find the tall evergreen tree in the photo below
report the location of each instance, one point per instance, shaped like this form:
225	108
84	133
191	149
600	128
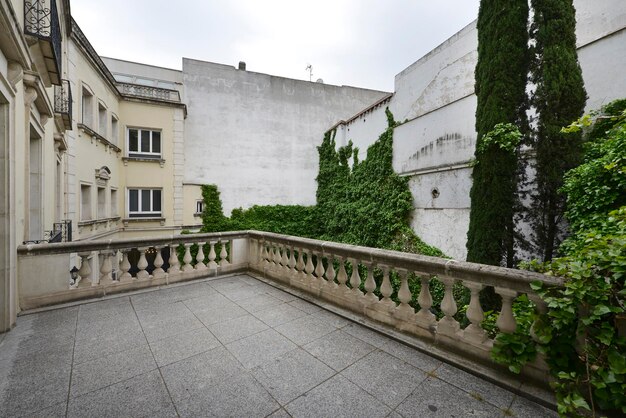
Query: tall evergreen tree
501	79
559	99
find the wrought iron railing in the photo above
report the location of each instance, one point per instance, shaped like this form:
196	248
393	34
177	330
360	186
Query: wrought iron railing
61	231
149	92
41	19
63	102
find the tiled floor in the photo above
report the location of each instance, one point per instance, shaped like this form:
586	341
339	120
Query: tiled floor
227	347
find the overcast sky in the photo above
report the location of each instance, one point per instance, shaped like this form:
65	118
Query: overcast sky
362	43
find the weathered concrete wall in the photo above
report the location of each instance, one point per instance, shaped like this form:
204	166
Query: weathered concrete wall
436	95
255	135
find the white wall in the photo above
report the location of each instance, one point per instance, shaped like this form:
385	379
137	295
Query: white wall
256	135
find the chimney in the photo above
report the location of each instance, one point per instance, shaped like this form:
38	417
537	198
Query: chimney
242	65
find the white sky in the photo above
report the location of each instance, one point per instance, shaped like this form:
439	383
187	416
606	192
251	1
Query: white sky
362	43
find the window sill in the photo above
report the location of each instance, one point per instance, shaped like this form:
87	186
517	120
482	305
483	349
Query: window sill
197	215
97	222
143	160
139	220
96	136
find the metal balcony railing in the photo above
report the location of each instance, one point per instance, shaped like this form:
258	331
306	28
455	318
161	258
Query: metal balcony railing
41	20
63	102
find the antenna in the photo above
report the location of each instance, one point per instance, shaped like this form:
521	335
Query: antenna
309	68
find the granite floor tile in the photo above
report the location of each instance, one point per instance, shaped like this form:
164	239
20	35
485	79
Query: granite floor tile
304	330
281	413
292	374
410	355
55	411
22	396
259	302
524	408
142	396
475	386
237	294
222	314
260	348
277	315
208	303
365	334
184	345
111	369
237	396
331	318
236	329
305	306
337	397
436	398
107	342
166	321
279	294
195	374
389	379
338	349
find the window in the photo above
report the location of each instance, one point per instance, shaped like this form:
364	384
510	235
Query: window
113	203
144	203
101	203
85	202
87	107
144	143
199	206
114	129
102	120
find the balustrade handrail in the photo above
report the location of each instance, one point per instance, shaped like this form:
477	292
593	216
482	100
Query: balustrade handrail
518	280
120	244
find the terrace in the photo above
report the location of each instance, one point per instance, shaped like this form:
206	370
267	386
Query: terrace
270	325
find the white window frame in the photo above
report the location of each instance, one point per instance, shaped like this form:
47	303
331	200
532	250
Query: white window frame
199	205
141	214
140	153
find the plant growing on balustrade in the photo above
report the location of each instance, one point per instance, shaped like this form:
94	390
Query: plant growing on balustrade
580	333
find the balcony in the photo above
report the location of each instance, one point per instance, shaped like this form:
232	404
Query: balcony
41	23
272	324
148	92
63	103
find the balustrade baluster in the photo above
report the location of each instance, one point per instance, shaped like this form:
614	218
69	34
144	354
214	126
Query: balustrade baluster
404	310
224	254
386	290
355	279
212	264
174	267
300	265
330	275
84	272
106	268
506	321
424	316
125	268
342	276
142	264
448	325
475	314
158	272
541	307
292	263
309	268
370	283
277	258
187	258
285	262
200	257
319	270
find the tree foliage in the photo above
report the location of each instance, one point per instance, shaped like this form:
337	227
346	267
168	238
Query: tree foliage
559	98
501	78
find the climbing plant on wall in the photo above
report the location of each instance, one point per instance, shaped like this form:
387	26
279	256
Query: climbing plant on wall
501	78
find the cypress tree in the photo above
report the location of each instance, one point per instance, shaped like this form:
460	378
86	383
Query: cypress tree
501	78
559	99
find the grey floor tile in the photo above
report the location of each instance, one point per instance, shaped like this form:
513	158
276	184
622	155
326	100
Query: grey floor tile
304	330
276	315
222	314
337	397
181	346
208	303
282	295
111	369
236	329
55	411
238	396
365	334
475	386
22	395
240	293
97	329
142	396
166	321
109	341
524	408
436	398
281	413
331	318
292	374
338	349
305	306
194	375
389	379
106	310
260	348
259	302
410	355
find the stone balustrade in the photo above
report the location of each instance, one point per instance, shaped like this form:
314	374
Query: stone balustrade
112	266
377	284
389	287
